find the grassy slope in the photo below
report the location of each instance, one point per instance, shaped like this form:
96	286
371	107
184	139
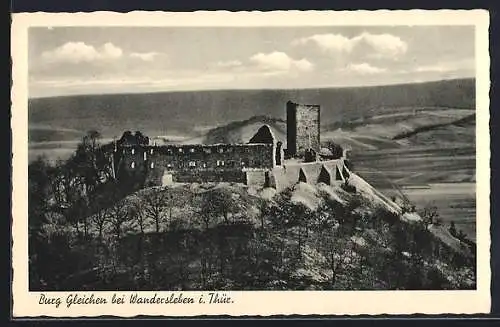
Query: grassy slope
173	259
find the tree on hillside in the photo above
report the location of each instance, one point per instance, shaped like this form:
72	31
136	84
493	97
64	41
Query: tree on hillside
453	229
330	213
119	214
86	157
91	163
70	193
39	192
218	203
350	218
300	219
61	186
265	212
154	207
100	215
79	212
137	214
204	218
338	253
336	149
38	207
430	215
98	205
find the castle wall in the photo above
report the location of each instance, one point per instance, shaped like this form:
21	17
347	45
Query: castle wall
157	177
220	156
303	128
256	178
198	163
288	175
203	176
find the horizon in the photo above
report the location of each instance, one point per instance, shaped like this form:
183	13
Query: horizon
121	60
253	89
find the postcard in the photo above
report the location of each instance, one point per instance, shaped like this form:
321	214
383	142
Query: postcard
250	163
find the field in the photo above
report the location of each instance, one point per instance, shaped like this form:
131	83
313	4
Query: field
429	178
427	155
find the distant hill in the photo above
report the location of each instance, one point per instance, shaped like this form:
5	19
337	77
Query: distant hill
398	128
242	131
460	130
183	113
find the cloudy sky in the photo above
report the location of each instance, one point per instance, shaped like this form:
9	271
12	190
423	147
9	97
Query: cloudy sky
88	60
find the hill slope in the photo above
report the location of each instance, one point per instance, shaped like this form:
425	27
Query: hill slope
180	112
223	236
241	131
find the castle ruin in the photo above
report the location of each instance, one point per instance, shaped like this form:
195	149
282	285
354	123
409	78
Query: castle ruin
261	162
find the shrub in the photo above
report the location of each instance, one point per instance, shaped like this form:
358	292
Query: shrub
349	188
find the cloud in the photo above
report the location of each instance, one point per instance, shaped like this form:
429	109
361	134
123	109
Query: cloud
280	61
144	56
445	67
327	42
383	44
77	52
228	64
386	45
364	69
191	79
434	68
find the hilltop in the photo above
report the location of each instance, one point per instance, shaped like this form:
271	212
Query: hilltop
239	132
227	236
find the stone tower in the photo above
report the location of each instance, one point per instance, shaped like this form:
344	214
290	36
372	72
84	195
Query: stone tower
302	128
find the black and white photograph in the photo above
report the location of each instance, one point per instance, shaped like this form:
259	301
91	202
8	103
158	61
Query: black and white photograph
251	158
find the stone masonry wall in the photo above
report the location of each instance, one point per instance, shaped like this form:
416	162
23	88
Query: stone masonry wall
197	163
256	178
303	128
308	133
288	174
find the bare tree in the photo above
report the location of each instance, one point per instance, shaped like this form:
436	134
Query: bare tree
101	206
198	201
154	206
119	214
136	212
99	218
339	254
265	212
218	202
430	215
140	218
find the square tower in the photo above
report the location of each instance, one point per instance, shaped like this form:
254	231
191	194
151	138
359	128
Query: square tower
302	128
